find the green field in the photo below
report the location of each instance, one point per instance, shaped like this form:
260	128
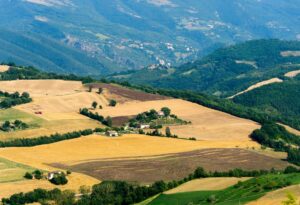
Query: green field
11	171
239	194
12	114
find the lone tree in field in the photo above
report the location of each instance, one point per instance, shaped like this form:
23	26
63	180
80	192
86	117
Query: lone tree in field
166	111
168	132
112	103
108	121
100	90
94	104
90	88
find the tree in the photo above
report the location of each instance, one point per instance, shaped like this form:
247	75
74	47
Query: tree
112	103
28	176
94	104
25	95
168	132
108	121
100	90
166	111
90	88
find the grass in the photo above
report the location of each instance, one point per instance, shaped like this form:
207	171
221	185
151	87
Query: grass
246	191
14	114
11	171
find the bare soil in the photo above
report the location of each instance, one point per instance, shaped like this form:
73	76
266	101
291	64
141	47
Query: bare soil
173	166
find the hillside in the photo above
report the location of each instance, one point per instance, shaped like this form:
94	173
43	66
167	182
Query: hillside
98	37
279	99
226	71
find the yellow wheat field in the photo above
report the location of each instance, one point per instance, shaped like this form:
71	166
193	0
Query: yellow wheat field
75	181
207	184
3	68
100	147
207	124
278	196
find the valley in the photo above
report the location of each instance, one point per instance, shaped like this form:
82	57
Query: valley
217	136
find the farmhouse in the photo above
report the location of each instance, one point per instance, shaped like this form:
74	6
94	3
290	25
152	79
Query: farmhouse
51	175
112	133
144	126
161	114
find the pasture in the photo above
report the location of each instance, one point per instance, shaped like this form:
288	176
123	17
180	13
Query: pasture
207	184
11	171
246	192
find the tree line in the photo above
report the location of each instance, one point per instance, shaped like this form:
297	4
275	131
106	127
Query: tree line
123	193
278	138
95	116
10	100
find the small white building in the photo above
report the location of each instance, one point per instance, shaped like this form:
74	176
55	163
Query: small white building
51	175
144	126
161	114
112	133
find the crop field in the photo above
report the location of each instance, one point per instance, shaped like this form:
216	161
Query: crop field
207	124
3	68
244	194
124	94
40	127
207	184
11	171
276	197
173	166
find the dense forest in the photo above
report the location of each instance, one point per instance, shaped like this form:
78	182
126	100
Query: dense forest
224	72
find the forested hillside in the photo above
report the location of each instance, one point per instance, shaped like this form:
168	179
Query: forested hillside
130	34
226	71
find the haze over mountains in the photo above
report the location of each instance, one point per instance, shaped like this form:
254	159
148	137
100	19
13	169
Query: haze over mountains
101	37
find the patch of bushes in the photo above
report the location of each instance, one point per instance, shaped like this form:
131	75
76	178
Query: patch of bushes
59	179
13	99
95	116
8	126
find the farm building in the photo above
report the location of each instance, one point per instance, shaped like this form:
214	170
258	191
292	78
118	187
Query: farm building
161	114
51	175
144	126
112	133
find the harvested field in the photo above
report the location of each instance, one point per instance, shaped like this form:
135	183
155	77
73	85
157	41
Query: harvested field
290	53
42	87
52	105
276	197
75	181
96	147
292	74
207	124
4	68
290	129
257	85
207	184
124	94
121	120
172	166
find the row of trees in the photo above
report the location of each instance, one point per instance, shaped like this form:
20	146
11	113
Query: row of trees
14	99
123	193
277	137
95	116
29	142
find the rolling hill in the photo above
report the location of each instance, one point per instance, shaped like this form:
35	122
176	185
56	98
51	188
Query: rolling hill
225	71
93	37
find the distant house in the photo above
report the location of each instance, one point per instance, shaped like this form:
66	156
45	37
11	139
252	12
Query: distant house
51	175
144	126
161	114
112	133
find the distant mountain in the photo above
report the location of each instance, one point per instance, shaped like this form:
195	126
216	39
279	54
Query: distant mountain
226	71
93	36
